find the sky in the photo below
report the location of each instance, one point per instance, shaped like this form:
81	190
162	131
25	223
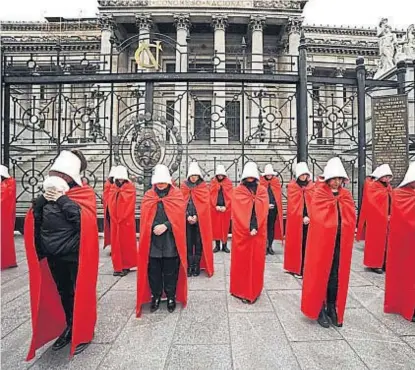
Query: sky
401	13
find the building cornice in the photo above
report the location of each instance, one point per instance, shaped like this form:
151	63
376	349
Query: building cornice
347	31
345	47
50	47
82	25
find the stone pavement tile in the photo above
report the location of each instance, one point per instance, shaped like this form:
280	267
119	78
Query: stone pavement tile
263	304
277	279
105	283
352	302
375	344
89	359
376	279
14	288
15	346
358	280
202	282
199	357
258	342
114	310
410	340
143	344
128	282
373	299
14	314
327	355
106	268
205	320
13	273
295	324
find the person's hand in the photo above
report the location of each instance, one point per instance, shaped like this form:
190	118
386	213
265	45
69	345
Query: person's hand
219	209
223	209
190	219
194	219
306	220
389	218
159	229
271	206
52	195
254	232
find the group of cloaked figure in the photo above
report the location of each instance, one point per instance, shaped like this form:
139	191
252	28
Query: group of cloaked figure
178	226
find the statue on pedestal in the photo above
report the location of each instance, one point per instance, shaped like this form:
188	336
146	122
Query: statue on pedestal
409	43
387	46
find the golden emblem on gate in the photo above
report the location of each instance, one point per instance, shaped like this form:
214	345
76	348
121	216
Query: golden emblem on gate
144	56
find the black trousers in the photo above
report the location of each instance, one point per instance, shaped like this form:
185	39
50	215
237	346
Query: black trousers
64	273
305	233
333	284
194	244
272	216
162	275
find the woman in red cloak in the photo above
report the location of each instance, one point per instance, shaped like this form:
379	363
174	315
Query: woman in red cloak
300	192
374	218
162	253
220	206
121	205
275	226
105	199
199	225
249	236
329	248
400	276
8	218
61	240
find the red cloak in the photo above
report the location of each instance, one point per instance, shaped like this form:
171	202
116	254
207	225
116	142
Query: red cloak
107	226
277	191
361	230
400	269
321	241
294	228
175	209
8	218
200	195
373	222
121	205
221	221
48	317
248	252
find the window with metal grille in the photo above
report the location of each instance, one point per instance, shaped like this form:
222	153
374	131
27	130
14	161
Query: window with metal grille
233	119
203	110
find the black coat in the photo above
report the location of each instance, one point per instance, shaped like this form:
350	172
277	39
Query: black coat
57	228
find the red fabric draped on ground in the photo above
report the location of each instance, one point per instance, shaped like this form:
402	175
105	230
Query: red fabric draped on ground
221	221
400	264
123	231
175	209
8	218
107	226
248	252
320	249
200	195
373	223
48	317
294	227
277	191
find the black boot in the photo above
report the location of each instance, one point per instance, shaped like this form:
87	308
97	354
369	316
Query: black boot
217	246
323	319
171	305
190	271
118	273
332	314
269	249
196	268
377	271
80	348
125	272
225	248
63	340
155	304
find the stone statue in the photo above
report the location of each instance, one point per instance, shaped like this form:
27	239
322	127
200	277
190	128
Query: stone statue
409	43
387	46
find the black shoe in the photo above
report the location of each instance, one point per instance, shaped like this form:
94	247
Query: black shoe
155	304
270	251
63	340
323	319
245	301
125	272
171	305
80	348
332	314
377	271
413	318
217	247
117	273
190	271
225	248
196	270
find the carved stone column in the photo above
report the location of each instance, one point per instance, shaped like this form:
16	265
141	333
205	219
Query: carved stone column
107	25
294	26
181	117
219	132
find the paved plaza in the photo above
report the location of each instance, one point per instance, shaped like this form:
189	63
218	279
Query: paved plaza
217	331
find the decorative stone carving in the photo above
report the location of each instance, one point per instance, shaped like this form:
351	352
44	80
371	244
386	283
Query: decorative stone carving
340	71
310	69
123	2
409	43
219	21
106	22
182	21
257	22
143	21
387	46
294	25
277	4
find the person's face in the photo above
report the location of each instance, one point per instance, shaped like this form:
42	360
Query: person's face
335	183
250	179
220	177
162	186
303	177
193	178
386	179
269	177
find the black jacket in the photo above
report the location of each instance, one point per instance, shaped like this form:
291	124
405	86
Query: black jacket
164	245
191	208
57	228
